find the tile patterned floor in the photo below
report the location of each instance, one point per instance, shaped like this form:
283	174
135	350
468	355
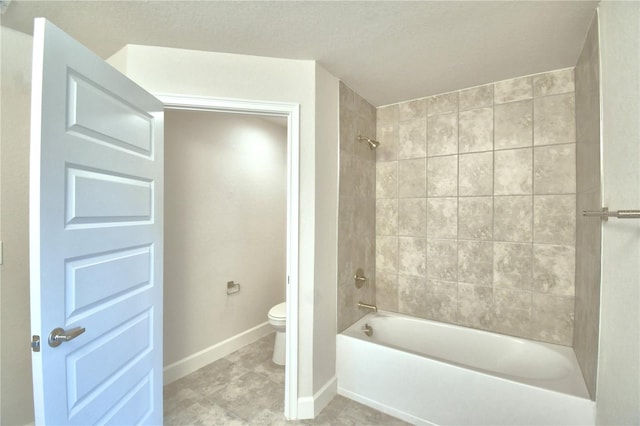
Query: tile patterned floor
247	388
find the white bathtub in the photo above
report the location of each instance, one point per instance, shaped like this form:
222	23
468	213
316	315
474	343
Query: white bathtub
432	373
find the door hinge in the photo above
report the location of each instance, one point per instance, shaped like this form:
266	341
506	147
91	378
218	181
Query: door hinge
35	343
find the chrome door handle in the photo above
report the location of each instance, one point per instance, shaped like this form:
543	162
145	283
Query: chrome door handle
58	335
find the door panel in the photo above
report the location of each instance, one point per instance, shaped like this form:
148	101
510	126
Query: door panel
101	115
95	238
83	207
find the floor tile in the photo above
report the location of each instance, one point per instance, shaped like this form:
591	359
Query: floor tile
247	388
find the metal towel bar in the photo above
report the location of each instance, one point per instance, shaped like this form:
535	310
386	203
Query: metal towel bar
605	214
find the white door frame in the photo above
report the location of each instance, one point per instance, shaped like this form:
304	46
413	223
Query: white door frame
292	112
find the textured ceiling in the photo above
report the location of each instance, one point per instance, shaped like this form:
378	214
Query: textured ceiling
386	51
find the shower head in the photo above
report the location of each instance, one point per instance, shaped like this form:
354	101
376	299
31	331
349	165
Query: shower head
372	144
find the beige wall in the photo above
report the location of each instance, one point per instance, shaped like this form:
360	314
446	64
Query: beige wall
324	287
618	391
356	231
186	72
475	209
16	397
588	229
225	219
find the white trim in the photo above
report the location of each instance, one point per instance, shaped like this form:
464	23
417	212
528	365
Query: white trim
384	408
309	407
293	216
292	112
240	106
189	364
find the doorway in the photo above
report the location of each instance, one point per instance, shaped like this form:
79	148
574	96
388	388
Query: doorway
288	113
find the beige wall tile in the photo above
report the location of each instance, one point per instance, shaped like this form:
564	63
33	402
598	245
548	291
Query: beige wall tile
554	82
515	89
554	219
514	125
476	97
476	174
412	256
512	265
412	217
466	215
348	125
347	97
513	218
357	203
512	172
387	292
441	104
442	176
588	158
412	109
442	134
476	130
554	169
365	213
387	114
413	139
364	177
367	111
442	217
346	216
412	296
512	312
387	254
552	319
554	269
387	216
386	179
442	260
347	178
475	306
475	218
475	262
412	178
555	119
387	134
442	299
588	232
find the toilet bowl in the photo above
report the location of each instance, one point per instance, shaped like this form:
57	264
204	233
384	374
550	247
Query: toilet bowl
278	320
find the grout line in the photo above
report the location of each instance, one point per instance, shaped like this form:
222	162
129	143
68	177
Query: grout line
533	204
457	314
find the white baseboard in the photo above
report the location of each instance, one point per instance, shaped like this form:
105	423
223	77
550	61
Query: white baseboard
206	356
384	408
310	406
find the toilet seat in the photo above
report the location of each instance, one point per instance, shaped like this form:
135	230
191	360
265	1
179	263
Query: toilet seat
278	312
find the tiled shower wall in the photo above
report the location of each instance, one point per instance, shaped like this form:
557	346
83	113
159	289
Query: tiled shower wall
589	229
475	207
356	208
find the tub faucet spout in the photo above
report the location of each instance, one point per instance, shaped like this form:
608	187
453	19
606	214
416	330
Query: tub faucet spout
373	308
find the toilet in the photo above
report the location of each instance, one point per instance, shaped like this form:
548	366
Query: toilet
278	320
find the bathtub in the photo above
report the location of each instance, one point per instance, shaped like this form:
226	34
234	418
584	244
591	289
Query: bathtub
431	373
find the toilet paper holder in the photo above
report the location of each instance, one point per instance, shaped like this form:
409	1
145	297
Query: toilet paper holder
232	287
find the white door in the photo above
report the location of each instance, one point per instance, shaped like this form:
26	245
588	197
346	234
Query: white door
95	238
